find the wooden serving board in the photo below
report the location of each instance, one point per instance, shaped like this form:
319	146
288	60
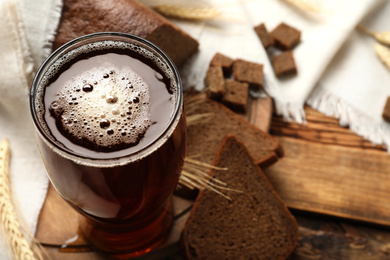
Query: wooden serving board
330	170
57	230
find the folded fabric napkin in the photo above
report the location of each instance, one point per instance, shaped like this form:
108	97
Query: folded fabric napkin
323	33
26	28
338	73
355	85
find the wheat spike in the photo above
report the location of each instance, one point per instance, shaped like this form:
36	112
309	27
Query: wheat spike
19	247
187	13
381	37
197	119
304	5
383	54
195	176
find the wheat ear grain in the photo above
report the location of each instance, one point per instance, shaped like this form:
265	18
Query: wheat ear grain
381	37
18	245
187	13
195	176
304	5
383	54
198	118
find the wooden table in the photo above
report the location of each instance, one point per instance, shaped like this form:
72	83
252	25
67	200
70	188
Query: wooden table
336	184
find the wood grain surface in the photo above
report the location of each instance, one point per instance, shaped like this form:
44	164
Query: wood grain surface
328	169
58	232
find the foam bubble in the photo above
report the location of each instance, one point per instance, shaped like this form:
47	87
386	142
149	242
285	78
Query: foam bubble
101	106
62	61
106	45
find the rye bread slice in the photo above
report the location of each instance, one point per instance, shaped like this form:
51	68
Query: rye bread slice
254	224
204	138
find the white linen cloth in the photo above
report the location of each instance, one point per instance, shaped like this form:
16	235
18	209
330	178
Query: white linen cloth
231	34
322	34
338	71
355	86
23	24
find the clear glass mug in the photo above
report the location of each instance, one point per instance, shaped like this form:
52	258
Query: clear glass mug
123	196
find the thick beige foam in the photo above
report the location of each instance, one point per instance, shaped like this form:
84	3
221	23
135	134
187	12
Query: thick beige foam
106	107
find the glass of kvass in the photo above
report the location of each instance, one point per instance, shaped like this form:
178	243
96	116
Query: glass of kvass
108	113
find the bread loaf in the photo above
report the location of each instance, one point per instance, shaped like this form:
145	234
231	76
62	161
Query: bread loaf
89	16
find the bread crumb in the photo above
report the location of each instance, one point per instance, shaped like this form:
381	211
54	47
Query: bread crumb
236	95
284	64
286	36
265	37
214	83
223	61
248	72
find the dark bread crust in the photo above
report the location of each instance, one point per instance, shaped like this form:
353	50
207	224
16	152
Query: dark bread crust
284	64
204	139
89	16
255	224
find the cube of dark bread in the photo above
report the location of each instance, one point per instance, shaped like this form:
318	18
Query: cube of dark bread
204	138
386	110
254	224
286	36
284	64
236	95
265	37
214	83
223	61
89	16
248	72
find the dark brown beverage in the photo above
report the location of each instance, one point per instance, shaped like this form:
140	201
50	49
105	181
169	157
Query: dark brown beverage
111	131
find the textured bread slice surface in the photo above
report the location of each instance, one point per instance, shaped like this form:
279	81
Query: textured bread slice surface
204	138
129	16
254	224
